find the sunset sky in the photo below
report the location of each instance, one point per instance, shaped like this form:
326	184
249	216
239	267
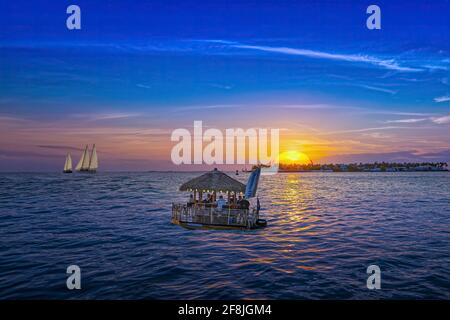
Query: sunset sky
137	70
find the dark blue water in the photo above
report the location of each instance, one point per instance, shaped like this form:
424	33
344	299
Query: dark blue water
324	230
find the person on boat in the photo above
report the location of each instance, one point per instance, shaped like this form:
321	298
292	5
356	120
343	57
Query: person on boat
231	201
221	202
239	201
244	204
208	199
191	201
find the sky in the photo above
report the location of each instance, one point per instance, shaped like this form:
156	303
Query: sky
138	70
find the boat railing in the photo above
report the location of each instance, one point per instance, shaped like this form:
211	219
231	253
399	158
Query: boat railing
210	215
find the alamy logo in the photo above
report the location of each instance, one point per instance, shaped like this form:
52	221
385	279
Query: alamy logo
229	148
74	280
374	279
374	20
73	21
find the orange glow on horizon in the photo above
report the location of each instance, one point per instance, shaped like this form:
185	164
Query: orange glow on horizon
294	157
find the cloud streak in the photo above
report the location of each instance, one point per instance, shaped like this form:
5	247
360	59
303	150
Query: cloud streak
436	120
441	120
59	147
377	89
207	107
364	130
105	116
356	58
144	86
407	120
442	99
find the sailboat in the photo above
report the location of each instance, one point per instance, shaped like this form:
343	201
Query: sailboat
68	164
88	162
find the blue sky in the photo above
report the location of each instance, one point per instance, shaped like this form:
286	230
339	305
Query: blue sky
138	70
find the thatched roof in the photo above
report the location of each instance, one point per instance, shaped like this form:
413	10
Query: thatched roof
214	180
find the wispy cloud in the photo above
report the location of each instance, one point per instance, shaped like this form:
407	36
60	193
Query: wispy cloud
435	68
59	147
357	58
407	120
8	118
221	86
398	113
197	46
377	135
442	99
113	116
360	110
207	107
377	89
214	41
364	130
437	120
144	86
105	116
25	154
441	120
315	106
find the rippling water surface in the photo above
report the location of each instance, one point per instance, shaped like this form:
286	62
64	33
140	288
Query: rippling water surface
324	230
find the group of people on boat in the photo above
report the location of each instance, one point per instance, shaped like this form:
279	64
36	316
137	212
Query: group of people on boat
234	203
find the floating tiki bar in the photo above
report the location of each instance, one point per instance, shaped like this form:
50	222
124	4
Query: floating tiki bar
199	214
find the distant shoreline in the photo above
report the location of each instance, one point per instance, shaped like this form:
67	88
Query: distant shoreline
319	171
367	167
291	168
202	171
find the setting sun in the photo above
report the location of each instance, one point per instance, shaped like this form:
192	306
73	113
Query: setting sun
294	157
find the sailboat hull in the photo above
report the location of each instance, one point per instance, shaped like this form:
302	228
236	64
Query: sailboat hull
87	171
67	171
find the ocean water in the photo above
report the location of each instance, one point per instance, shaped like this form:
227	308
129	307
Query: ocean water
324	230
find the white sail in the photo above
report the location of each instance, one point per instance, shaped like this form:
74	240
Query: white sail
84	160
93	163
68	164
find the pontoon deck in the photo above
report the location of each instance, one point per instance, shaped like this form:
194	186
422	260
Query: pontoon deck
201	217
